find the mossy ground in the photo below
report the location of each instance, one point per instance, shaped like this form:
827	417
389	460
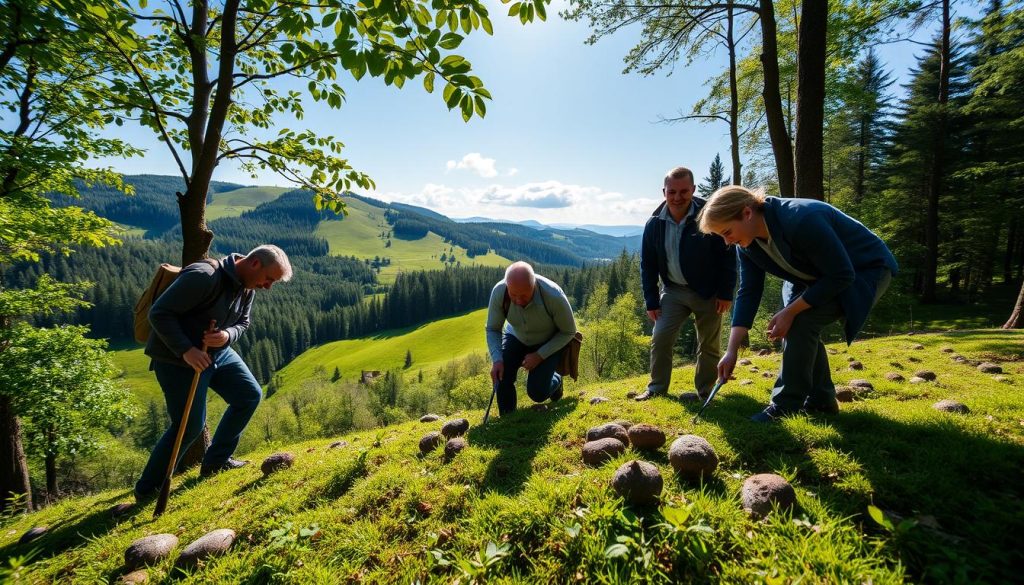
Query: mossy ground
519	506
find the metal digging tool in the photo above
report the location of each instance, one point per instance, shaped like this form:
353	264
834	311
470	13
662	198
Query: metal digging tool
165	489
494	390
718	386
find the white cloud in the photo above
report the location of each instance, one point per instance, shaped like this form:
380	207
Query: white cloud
512	172
475	162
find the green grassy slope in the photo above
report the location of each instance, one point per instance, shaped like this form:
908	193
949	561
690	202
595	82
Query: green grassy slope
374	511
238	201
359	235
431	345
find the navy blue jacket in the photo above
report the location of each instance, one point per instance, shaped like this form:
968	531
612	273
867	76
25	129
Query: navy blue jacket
707	263
817	239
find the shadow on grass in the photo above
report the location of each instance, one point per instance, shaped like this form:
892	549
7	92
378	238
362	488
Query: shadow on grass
517	437
965	488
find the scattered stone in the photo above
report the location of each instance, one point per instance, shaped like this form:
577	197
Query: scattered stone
845	394
338	445
764	352
692	457
744	362
917	346
644	436
608	430
895	377
896	365
767	374
453	447
855	365
623	423
1002	379
948	350
913	359
121	509
630	395
831	351
864	384
140	576
754	369
951	406
926	375
149	550
917	380
958	359
430	441
277	462
598	400
849	358
539	408
211	544
763	490
430	418
638	482
455	428
746	382
990	368
32	534
597	452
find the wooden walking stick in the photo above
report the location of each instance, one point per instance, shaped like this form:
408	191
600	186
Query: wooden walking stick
494	390
165	490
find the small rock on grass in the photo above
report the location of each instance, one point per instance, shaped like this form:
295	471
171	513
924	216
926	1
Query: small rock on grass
831	351
917	346
32	534
692	457
121	509
895	377
453	447
845	393
638	482
855	365
863	384
764	352
608	430
746	382
429	418
951	406
213	543
455	428
926	375
645	436
149	550
990	368
430	441
911	358
623	423
631	394
338	445
763	490
597	452
1002	379
277	462
744	362
139	576
948	350
917	380
598	400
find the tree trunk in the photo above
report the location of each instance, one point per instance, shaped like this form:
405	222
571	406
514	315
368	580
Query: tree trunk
734	103
1016	320
931	231
14	482
51	478
781	147
1011	242
810	100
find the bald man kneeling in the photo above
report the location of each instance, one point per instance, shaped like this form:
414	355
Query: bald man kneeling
529	324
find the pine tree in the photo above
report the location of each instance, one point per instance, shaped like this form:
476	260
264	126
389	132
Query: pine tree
715	179
337	374
408	359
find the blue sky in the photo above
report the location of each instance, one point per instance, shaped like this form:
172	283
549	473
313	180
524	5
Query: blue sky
567	139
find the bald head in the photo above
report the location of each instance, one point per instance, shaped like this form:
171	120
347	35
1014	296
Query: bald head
520	281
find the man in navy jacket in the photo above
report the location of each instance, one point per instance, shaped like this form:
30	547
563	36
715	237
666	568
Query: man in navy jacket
697	273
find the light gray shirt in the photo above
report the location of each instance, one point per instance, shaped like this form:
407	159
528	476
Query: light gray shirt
673	233
773	252
546	320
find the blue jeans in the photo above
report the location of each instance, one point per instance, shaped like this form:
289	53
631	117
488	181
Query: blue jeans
540	383
229	377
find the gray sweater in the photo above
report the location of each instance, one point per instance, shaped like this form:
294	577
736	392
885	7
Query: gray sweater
182	313
546	321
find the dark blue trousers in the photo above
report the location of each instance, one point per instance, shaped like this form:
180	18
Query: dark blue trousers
541	382
231	379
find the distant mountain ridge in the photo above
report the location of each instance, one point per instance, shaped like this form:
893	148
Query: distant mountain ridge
618	231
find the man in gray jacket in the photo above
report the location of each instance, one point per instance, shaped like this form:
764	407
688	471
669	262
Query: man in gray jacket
529	324
223	292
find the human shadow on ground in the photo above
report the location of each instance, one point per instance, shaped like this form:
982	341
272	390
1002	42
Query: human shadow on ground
965	488
517	437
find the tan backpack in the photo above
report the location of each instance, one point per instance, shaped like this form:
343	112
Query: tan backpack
165	275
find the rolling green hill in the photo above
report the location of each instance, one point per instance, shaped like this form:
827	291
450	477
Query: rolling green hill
519	506
431	345
359	235
237	201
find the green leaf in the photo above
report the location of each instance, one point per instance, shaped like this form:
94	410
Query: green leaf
541	11
515	8
451	41
467	108
483	93
98	11
481	109
329	19
448	90
676	516
453	99
428	82
486	23
879	517
616	551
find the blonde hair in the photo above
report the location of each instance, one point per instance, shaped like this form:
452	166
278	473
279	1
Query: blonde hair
727	204
679	173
